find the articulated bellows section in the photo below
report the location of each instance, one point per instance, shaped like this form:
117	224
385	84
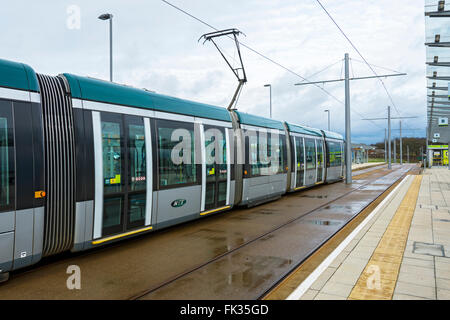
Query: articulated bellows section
59	165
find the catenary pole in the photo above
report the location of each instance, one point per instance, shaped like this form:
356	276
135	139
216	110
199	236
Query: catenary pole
348	139
385	145
111	49
401	144
389	137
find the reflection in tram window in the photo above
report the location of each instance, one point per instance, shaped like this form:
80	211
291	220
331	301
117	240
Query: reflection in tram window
112	212
170	173
222	197
310	154
112	158
136	145
210	195
136	207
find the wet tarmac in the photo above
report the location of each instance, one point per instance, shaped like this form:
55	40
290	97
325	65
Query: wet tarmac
239	254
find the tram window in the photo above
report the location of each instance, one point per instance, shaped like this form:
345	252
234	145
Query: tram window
136	207
183	171
320	153
216	153
112	156
261	147
300	153
136	149
112	212
6	160
310	154
282	154
335	154
254	155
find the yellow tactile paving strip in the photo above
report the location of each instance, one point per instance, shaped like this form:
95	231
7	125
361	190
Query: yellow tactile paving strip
377	281
292	281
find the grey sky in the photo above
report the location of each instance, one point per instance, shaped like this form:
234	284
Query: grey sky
156	47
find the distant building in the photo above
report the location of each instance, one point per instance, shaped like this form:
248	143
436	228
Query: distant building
437	42
360	152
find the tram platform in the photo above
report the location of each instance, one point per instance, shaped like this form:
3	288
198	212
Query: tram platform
401	251
367	165
240	254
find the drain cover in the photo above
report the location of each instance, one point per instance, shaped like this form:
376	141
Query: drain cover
428	249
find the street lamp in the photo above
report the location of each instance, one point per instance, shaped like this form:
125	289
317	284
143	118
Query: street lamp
270	86
328	118
109	16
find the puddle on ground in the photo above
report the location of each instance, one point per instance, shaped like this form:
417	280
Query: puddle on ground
323	222
374	187
337	206
313	196
266	211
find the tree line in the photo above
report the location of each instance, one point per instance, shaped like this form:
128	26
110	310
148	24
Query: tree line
415	145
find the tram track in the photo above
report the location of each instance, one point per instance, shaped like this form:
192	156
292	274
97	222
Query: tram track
178	250
66	256
277	292
360	175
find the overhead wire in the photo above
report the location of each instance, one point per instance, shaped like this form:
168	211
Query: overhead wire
264	56
359	53
251	49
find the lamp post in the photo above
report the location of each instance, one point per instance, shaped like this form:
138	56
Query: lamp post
270	87
109	16
328	118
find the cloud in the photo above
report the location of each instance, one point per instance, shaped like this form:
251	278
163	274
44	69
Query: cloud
156	47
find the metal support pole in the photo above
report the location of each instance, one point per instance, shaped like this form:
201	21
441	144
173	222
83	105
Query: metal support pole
348	139
389	137
428	164
421	156
110	49
385	145
401	144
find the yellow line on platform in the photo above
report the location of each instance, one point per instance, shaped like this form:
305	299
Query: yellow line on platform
378	280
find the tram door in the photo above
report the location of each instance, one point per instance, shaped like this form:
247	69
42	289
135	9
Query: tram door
300	162
320	160
216	167
126	202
